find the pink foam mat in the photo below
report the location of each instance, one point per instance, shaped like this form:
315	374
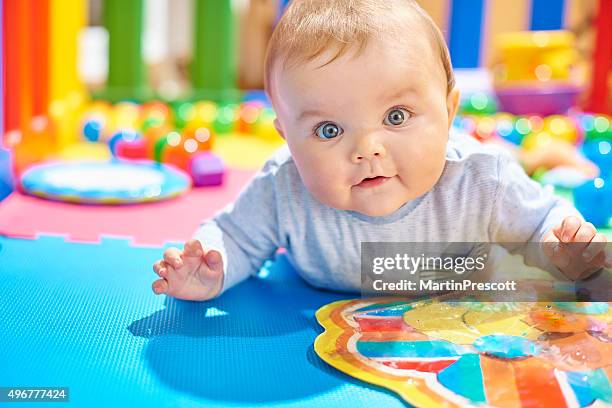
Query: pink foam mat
155	224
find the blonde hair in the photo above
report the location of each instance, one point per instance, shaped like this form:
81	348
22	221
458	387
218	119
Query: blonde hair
308	28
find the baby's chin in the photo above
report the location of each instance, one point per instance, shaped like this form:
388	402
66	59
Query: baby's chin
377	209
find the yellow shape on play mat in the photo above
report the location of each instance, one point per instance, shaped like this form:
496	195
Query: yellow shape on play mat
459	323
245	151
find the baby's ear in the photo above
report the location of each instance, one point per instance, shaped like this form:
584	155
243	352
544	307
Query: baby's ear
452	103
279	129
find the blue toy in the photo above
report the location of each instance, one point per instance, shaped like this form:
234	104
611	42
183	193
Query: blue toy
128	135
599	152
594	201
92	129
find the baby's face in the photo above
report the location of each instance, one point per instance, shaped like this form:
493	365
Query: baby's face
368	132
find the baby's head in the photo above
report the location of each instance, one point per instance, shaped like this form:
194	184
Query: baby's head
364	96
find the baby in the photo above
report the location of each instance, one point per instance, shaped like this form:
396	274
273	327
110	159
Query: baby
364	95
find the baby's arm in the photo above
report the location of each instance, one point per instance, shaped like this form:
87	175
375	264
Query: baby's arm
556	234
227	249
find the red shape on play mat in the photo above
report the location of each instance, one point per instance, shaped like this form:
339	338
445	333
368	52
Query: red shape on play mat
154	224
434	366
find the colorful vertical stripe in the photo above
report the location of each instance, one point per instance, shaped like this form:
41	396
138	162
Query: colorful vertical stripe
547	14
67	19
126	69
501	17
24	64
602	61
466	19
2	92
473	24
214	66
39	10
6	179
66	91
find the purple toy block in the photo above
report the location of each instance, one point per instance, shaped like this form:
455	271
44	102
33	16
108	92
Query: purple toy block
207	169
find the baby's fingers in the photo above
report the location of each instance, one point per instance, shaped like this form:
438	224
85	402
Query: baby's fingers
193	247
161	268
595	247
568	228
160	286
550	243
213	259
172	256
555	251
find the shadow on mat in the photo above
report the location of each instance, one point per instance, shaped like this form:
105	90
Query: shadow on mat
252	344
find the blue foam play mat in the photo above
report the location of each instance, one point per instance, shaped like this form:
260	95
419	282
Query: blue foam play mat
83	316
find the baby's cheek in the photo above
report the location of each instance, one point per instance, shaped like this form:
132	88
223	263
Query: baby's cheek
327	184
421	165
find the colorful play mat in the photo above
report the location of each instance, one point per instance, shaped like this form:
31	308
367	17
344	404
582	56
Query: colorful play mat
112	182
461	354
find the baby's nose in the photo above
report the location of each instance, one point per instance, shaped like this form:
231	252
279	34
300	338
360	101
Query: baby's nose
368	148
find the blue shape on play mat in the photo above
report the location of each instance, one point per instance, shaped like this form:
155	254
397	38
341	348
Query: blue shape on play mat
464	377
593	308
589	386
100	182
506	346
420	349
377	306
396	310
84	316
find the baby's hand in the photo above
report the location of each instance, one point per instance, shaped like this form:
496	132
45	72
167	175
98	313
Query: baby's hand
576	248
193	274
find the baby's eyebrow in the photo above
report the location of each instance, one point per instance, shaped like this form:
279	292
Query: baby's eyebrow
310	113
399	93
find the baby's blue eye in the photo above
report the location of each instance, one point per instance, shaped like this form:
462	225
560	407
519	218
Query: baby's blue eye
328	130
396	116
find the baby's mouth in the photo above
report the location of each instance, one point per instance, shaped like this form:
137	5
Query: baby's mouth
369	182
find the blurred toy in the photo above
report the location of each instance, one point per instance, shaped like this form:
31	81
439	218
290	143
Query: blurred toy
479	103
204	114
184	113
534	72
264	126
127	135
543	143
599	152
155	113
207	169
134	149
125	115
201	134
594	201
225	120
92	129
248	114
104	183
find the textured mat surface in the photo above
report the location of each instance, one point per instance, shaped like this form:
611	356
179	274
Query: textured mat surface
83	316
148	224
